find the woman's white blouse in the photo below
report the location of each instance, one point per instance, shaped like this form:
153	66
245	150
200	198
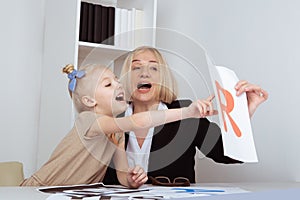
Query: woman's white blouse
135	154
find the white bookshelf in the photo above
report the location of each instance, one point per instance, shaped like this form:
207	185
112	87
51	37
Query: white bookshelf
106	54
99	53
62	46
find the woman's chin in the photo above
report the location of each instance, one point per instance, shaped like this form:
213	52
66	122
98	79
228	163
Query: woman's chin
144	97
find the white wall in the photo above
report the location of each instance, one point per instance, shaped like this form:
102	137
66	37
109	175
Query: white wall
259	40
56	113
21	39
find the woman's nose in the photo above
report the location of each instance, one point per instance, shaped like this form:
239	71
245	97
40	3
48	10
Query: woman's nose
145	72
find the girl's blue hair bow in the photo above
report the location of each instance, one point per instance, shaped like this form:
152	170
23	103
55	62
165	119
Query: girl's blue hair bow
72	76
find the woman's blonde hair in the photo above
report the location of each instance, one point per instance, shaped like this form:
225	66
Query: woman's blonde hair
168	86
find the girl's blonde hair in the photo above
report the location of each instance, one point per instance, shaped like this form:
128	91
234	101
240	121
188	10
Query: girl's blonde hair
168	86
86	85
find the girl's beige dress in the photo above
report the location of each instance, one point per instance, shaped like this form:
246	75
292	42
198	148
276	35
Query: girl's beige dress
77	159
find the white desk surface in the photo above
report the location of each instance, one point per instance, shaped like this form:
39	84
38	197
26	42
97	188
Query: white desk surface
30	193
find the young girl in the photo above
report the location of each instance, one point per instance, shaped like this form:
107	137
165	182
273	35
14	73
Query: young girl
83	156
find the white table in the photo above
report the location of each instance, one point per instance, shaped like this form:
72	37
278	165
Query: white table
256	186
20	193
279	189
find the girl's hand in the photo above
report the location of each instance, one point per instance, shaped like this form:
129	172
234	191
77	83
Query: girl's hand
255	94
136	177
202	108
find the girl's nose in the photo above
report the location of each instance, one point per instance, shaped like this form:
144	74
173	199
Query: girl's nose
119	84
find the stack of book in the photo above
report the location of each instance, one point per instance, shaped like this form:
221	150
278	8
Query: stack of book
129	27
97	23
110	25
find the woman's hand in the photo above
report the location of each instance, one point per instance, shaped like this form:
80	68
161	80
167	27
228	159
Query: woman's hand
136	177
255	94
202	108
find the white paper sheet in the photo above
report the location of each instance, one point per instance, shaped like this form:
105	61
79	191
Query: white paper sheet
157	192
233	115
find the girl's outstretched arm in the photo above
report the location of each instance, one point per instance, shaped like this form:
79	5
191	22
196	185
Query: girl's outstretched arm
146	120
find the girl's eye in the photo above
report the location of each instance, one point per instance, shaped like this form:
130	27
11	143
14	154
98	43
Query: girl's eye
108	85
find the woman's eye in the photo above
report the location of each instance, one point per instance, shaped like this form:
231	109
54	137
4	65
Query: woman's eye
108	85
135	68
154	68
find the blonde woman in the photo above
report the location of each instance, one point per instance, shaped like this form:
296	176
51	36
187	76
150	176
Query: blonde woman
169	150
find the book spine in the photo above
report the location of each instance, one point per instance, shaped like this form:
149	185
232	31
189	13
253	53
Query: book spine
111	25
98	24
129	29
117	27
104	23
124	28
91	17
83	27
138	26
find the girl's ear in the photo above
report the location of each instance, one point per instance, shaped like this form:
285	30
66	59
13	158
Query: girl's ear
88	101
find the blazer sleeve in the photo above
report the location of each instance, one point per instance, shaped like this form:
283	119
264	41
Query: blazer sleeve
210	143
208	137
110	177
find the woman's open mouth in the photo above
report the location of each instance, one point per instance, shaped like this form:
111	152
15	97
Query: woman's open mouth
144	86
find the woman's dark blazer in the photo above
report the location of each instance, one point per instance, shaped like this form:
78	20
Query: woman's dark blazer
174	145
